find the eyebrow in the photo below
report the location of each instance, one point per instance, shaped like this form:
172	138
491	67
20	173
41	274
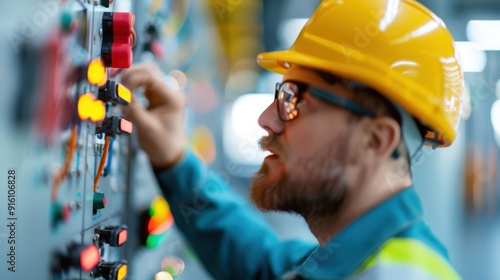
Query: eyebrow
328	77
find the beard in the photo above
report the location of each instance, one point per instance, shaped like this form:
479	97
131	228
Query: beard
314	187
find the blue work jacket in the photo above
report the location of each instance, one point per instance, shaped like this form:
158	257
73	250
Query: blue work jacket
232	240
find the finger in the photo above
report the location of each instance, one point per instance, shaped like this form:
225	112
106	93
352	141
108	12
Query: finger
151	78
137	114
141	75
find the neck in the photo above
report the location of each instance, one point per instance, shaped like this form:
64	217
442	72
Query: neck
368	192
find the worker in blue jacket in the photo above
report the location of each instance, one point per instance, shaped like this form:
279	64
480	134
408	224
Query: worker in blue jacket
365	86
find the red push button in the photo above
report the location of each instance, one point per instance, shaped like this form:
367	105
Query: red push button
117	23
80	256
116	55
114	125
89	257
122	39
115	236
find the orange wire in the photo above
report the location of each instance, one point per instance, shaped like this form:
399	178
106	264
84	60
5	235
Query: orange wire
102	163
133	40
61	175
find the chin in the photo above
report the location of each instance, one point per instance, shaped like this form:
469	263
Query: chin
262	190
310	192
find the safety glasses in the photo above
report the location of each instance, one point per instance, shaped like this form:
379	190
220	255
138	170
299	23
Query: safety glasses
289	94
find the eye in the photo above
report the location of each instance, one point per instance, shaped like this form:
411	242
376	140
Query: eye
305	99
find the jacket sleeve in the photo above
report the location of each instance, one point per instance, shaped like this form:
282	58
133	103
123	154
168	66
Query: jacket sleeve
228	235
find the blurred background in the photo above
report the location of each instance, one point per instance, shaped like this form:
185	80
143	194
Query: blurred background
207	48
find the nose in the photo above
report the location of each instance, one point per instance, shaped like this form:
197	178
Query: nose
270	121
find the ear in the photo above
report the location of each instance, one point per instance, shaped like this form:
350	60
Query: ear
383	136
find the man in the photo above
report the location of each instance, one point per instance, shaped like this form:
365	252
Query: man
366	84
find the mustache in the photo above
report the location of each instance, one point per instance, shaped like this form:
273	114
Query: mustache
270	142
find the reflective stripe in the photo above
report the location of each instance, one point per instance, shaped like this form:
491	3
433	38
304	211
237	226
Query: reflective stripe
410	253
394	272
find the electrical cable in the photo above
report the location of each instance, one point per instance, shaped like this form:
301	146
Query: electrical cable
107	169
63	172
133	37
107	141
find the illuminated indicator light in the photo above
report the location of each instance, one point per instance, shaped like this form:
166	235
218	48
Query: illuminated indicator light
96	73
163	227
124	93
290	116
153	240
156	226
295	113
85	105
114	125
115	93
89	258
159	208
163	275
160	221
294	99
153	223
89	108
170	270
288	110
126	126
173	265
122	237
98	111
115	236
282	95
122	272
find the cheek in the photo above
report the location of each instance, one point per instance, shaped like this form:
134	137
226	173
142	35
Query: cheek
309	138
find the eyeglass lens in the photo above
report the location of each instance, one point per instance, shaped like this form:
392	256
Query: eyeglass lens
288	98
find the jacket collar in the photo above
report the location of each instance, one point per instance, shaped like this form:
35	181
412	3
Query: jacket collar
349	249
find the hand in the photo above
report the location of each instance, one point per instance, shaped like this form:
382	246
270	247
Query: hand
160	126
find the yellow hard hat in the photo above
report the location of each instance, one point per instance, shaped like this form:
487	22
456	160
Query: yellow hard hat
398	47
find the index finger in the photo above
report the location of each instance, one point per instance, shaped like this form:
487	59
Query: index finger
141	75
150	77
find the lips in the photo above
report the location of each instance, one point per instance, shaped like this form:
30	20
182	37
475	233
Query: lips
272	156
273	153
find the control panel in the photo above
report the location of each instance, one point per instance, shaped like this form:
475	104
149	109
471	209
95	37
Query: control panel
79	199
